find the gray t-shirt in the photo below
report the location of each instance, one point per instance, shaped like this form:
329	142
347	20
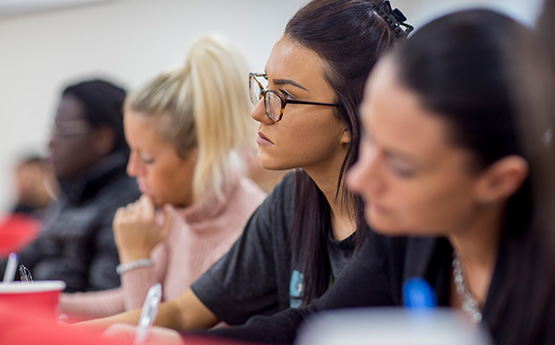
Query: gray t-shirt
257	275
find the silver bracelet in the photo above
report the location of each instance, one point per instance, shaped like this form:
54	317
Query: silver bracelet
128	266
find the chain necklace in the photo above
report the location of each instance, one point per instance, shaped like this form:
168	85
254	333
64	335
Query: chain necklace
469	302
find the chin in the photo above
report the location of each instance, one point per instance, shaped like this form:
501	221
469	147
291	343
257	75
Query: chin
157	203
267	162
272	165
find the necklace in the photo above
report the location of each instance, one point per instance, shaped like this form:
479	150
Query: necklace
469	302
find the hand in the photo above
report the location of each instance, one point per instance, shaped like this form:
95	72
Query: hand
137	230
157	335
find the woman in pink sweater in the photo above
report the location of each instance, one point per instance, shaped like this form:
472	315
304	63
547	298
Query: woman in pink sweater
183	128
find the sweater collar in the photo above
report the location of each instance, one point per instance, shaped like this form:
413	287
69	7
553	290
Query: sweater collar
211	205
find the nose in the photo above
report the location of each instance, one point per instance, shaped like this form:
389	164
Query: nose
51	143
132	165
364	177
258	113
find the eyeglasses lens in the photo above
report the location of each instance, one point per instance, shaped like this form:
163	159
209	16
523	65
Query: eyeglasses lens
255	90
273	105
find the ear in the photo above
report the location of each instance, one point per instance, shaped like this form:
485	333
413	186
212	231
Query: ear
193	154
104	140
345	137
502	179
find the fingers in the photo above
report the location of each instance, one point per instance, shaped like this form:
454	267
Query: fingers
146	207
143	208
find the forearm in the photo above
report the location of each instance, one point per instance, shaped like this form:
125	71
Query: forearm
90	305
183	313
167	316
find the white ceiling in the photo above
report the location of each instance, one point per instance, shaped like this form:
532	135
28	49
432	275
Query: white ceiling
20	7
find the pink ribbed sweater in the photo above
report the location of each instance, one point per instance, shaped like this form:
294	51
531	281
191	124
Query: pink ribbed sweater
200	235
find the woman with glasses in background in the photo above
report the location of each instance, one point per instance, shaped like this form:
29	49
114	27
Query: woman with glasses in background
182	127
310	226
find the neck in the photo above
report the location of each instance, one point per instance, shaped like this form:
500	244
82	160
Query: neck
343	221
478	245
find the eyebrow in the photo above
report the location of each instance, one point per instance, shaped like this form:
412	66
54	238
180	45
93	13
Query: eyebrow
393	155
288	81
400	157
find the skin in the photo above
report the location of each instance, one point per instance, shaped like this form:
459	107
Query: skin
75	147
154	162
297	141
33	181
308	137
415	181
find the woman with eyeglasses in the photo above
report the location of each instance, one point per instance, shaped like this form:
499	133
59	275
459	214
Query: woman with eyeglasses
310	226
183	127
454	155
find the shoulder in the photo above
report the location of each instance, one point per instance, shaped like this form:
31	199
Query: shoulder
285	190
280	203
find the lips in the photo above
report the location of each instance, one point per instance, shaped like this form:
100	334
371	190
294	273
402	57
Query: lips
263	140
142	187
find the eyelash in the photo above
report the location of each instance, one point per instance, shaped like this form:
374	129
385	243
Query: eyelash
398	170
147	160
286	94
403	173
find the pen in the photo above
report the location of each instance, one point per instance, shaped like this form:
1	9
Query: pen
9	273
25	274
148	313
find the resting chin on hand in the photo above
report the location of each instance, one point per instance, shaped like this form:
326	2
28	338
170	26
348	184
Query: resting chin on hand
138	229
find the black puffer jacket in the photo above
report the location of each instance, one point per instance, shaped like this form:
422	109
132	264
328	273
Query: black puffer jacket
76	244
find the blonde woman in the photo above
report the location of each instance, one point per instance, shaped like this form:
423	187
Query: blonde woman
183	127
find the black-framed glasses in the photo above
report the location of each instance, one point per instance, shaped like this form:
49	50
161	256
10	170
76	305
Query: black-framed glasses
70	128
274	103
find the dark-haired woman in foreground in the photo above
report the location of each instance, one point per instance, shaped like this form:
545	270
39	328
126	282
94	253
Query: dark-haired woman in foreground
305	232
454	156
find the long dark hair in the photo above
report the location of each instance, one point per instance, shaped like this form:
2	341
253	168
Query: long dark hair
350	37
469	69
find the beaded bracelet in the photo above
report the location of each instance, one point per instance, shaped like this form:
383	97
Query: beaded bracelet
128	266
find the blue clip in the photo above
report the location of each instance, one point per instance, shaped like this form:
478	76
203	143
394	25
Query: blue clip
418	294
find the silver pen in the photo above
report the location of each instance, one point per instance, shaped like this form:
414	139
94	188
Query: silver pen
148	313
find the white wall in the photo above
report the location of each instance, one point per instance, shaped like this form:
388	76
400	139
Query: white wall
130	40
127	41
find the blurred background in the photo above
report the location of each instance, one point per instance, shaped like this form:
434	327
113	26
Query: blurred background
46	44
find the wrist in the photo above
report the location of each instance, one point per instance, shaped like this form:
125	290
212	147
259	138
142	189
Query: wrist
129	256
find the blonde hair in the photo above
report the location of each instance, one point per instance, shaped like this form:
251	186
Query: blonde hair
208	102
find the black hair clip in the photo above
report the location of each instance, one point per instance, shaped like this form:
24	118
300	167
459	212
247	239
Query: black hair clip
395	19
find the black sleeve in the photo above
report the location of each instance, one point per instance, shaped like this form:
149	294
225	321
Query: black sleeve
371	279
101	272
31	254
246	281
